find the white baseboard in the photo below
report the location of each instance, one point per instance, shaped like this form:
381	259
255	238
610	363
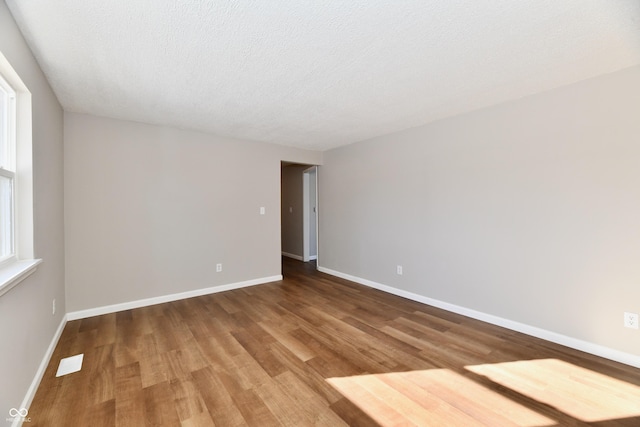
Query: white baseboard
586	346
82	314
31	392
288	255
298	257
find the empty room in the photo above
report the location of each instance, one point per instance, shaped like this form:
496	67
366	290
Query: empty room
295	213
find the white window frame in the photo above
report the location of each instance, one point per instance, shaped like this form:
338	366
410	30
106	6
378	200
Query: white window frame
18	265
8	170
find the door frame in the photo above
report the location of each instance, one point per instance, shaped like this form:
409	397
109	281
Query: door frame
306	213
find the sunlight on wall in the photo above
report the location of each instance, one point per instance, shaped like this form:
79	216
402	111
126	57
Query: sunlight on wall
439	397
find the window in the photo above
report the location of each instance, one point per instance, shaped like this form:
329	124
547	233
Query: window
16	180
7	170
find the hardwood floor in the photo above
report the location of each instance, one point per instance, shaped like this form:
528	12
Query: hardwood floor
318	350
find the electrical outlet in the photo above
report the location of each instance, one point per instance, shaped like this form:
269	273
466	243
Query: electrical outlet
218	268
53	306
630	320
262	210
399	270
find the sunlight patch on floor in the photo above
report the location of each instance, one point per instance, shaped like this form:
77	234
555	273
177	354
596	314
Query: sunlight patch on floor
581	393
439	397
433	397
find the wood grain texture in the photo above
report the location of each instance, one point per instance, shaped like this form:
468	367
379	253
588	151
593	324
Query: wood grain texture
318	350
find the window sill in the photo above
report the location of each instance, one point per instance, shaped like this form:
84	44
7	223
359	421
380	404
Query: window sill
16	272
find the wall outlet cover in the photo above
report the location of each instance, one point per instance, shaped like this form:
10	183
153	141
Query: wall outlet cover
630	320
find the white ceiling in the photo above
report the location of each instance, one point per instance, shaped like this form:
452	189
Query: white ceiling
318	74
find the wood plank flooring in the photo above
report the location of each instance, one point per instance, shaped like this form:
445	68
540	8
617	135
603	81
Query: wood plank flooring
317	350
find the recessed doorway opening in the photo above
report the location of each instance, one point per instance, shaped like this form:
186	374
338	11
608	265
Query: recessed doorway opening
299	211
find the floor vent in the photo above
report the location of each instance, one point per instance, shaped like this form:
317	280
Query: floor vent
69	365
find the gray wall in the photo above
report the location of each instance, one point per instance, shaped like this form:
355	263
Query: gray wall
529	210
150	210
292	199
26	323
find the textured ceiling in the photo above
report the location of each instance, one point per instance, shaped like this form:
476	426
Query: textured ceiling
318	74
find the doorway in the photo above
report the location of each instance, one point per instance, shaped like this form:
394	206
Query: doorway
299	211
